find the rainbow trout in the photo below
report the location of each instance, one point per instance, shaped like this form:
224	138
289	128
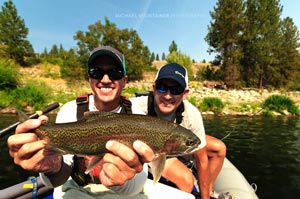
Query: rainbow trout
89	135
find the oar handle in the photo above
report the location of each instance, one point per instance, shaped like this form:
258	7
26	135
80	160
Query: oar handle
12	127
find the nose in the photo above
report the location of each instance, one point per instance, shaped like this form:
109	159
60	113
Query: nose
105	78
168	94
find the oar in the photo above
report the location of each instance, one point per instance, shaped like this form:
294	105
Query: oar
12	127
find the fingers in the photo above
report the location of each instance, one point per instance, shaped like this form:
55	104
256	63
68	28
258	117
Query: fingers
125	154
115	171
30	124
145	152
28	150
17	141
123	162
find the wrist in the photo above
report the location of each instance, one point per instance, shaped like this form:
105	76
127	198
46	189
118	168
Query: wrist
56	166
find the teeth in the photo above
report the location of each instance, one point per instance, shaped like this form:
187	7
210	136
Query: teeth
167	103
105	89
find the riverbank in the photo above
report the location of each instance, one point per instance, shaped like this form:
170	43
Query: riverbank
237	102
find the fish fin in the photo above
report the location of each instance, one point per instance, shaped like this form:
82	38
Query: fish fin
157	167
22	116
51	150
94	161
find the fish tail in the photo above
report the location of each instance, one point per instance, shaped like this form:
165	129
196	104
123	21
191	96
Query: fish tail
22	116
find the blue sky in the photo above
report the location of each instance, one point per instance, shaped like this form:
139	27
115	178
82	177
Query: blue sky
158	22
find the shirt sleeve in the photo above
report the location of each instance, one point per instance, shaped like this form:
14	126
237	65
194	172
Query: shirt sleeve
193	121
139	104
67	113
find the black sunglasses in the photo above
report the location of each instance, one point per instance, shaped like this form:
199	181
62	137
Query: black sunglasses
97	73
174	90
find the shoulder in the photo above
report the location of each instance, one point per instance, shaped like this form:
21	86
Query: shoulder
193	121
189	108
140	103
67	112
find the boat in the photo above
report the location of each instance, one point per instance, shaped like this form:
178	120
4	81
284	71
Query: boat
230	179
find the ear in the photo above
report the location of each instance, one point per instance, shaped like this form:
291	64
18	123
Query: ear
185	93
124	81
89	80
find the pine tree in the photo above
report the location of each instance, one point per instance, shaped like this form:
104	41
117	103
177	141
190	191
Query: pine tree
152	57
261	46
224	38
13	34
173	47
289	62
163	56
157	57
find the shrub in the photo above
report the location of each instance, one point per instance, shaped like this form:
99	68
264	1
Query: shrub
8	76
193	100
213	104
5	100
32	94
268	113
280	103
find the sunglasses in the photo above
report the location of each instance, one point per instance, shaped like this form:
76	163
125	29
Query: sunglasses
174	90
97	73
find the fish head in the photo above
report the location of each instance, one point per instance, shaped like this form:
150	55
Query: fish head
183	142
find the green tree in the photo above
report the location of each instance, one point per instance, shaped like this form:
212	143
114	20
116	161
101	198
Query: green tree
152	57
173	47
157	57
13	34
71	66
224	38
261	47
289	62
127	41
182	59
163	56
54	52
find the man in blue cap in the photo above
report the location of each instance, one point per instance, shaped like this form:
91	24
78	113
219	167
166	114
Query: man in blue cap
168	101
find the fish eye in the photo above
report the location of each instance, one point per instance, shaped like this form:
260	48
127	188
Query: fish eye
190	142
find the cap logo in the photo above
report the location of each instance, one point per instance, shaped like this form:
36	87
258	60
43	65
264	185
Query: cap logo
178	73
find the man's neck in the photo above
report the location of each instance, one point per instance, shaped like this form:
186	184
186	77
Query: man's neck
170	117
111	106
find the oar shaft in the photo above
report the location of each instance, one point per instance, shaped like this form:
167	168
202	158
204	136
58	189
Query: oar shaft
12	127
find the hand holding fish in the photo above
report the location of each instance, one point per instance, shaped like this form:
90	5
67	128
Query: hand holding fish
123	163
27	149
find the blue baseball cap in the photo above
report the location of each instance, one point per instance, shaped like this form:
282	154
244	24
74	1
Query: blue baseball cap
110	51
173	71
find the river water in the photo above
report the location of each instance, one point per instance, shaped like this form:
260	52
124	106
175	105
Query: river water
266	150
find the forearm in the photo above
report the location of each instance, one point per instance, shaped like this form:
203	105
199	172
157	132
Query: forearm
203	181
61	176
203	173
